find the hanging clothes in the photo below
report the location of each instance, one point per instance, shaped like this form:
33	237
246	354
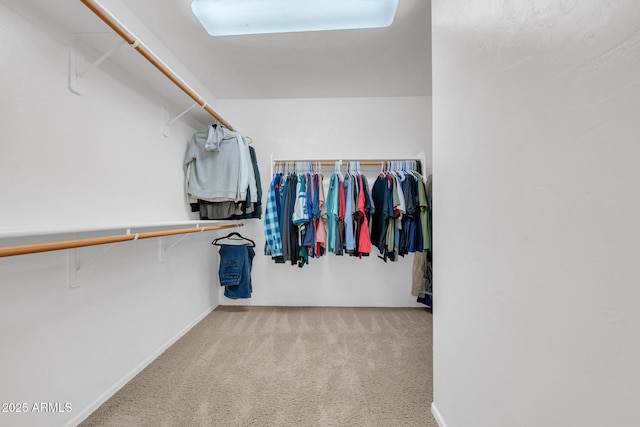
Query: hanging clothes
222	175
290	249
401	222
363	216
301	219
333	213
350	219
273	246
320	216
358	209
380	218
308	242
234	272
297	200
349	236
251	207
214	160
422	276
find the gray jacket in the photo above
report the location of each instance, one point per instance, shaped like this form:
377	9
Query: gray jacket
213	164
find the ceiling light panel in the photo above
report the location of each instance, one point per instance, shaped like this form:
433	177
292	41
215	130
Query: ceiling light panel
237	17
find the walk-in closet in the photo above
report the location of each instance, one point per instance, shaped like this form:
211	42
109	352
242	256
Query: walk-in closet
137	186
428	220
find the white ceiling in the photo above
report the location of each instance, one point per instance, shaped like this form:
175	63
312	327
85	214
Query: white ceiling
394	61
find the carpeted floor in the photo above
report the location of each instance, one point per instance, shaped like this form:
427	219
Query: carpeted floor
286	366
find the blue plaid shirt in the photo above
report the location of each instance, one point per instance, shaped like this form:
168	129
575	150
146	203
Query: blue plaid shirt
273	246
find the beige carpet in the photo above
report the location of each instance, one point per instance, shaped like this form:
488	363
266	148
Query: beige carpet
286	366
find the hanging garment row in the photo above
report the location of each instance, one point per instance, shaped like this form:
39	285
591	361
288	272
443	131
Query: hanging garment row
301	224
401	223
295	217
222	175
349	208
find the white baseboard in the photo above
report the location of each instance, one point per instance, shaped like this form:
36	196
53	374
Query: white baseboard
437	415
135	371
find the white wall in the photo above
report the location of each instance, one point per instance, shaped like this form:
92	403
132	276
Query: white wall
536	213
71	161
343	128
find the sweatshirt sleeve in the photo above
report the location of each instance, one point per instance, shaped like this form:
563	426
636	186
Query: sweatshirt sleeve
190	156
253	190
188	165
245	164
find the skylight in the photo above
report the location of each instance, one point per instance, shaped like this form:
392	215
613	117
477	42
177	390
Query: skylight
236	17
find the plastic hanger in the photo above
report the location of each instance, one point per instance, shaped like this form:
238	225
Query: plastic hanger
337	170
230	235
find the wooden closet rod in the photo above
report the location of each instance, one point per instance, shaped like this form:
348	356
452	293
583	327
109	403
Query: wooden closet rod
93	241
149	56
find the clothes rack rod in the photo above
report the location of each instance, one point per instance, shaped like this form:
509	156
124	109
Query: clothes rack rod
108	19
93	241
332	162
34	230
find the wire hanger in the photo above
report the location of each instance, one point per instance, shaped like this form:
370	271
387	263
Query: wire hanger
232	234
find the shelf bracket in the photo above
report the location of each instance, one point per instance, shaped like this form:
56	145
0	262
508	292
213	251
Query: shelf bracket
163	249
166	122
76	76
73	267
